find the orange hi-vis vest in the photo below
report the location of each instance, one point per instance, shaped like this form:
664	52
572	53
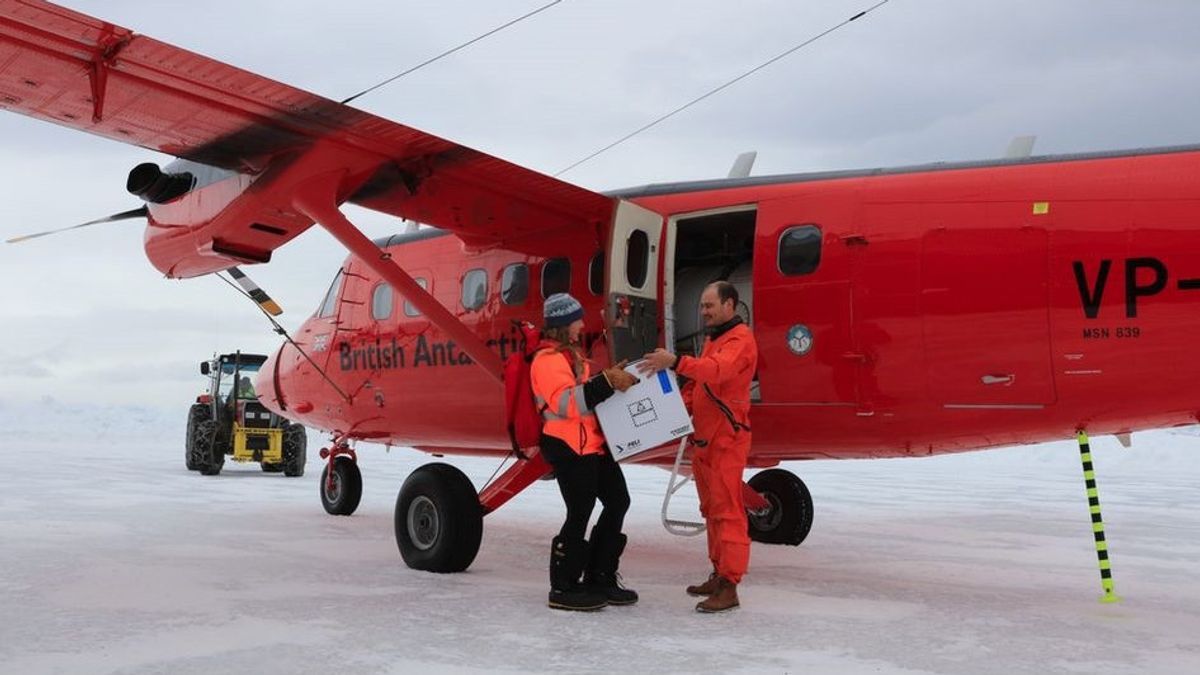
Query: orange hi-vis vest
559	395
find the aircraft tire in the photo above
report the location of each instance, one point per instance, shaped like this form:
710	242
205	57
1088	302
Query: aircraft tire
343	499
196	414
208	457
438	519
791	515
295	450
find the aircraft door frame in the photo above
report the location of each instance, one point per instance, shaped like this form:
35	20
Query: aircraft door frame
631	310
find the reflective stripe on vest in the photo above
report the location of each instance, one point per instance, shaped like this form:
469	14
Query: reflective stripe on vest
563	409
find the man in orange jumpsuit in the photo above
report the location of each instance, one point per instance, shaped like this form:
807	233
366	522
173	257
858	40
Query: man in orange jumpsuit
719	398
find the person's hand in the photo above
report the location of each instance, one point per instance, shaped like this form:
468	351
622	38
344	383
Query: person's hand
659	359
619	378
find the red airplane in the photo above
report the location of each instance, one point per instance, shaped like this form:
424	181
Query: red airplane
899	312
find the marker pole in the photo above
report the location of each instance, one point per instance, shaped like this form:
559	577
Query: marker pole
1089	479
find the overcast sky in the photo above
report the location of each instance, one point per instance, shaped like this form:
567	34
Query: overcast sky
88	319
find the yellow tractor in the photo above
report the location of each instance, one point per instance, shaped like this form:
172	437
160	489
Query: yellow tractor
229	420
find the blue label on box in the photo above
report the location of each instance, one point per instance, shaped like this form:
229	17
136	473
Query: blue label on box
665	381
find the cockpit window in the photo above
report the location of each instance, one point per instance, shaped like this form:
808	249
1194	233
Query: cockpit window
381	302
329	304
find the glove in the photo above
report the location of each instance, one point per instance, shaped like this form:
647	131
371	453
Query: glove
619	378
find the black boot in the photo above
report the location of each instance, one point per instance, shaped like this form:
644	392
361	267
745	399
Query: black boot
601	576
567	558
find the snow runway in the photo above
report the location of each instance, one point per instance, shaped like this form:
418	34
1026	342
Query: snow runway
117	559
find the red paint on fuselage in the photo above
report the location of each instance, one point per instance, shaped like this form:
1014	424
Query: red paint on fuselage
947	314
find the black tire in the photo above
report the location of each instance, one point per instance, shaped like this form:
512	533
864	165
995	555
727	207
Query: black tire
790	517
438	520
196	414
343	498
209	456
295	450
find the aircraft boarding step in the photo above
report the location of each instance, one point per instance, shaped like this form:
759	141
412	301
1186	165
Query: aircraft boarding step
682	528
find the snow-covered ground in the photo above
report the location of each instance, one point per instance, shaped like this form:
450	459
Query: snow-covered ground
114	558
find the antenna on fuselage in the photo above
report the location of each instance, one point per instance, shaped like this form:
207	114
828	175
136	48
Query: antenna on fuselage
1020	147
742	165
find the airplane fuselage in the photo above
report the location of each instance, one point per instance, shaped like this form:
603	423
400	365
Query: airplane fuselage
905	312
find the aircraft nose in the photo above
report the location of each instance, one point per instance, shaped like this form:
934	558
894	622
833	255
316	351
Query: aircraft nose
265	384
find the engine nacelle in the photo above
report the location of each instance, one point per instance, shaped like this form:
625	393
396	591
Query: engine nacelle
151	184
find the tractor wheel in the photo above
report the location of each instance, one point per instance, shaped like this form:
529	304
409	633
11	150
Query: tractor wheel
438	519
196	414
342	497
209	457
295	450
790	517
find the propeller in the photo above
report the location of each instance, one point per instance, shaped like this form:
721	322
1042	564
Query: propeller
251	289
256	294
140	212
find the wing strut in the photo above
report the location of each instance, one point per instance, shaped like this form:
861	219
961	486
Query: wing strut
317	199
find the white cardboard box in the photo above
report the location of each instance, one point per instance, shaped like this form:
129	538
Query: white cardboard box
646	416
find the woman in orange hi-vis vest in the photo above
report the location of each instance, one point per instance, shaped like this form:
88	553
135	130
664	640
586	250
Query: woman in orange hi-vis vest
571	441
719	398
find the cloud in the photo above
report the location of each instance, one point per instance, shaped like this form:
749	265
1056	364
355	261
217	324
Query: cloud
86	315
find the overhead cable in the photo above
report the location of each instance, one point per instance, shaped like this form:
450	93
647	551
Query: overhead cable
743	76
448	52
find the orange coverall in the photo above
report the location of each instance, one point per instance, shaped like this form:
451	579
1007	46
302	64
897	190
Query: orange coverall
719	398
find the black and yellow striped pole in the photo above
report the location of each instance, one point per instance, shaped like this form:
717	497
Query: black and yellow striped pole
1089	479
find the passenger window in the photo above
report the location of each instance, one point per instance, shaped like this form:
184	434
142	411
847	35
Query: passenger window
556	277
329	304
381	302
514	284
800	250
409	310
596	274
637	258
474	289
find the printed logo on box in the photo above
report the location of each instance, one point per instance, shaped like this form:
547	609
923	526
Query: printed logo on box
642	412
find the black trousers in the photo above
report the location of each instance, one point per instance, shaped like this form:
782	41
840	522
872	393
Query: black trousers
582	479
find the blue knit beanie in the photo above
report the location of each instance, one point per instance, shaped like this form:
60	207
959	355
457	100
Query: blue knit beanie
561	310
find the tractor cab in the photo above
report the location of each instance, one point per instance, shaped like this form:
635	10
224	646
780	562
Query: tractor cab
230	420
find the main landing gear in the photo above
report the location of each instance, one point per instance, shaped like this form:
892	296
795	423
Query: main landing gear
789	515
438	519
779	507
439	516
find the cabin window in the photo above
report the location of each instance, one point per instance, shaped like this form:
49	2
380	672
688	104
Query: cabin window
329	304
556	277
514	284
800	250
596	274
474	289
409	310
381	302
637	258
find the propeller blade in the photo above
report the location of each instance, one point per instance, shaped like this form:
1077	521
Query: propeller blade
124	215
256	294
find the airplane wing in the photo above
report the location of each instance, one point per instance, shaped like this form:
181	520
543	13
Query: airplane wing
71	69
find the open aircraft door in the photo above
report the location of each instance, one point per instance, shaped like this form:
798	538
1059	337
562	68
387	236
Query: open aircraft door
632	296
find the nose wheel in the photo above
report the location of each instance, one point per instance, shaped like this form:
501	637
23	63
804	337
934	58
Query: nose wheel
341	482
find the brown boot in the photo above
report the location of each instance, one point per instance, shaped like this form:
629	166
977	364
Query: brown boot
705	589
723	600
